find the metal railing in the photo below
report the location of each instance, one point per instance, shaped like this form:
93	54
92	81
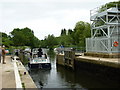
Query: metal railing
104	45
102	8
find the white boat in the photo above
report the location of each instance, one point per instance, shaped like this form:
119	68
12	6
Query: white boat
39	62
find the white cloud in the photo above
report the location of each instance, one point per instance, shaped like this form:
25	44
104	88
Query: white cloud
45	16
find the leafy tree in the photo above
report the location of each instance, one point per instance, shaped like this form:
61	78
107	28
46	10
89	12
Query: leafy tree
43	43
63	32
65	39
49	42
70	31
5	39
109	5
18	37
24	37
81	31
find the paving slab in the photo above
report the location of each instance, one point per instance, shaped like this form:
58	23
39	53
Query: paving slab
0	76
7	75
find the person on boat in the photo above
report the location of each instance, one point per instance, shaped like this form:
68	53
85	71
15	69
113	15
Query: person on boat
45	56
16	52
40	53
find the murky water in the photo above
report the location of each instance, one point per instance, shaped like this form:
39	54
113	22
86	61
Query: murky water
60	77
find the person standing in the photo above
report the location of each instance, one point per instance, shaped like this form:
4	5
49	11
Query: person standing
3	54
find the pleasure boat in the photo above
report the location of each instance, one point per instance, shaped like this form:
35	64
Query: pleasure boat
36	62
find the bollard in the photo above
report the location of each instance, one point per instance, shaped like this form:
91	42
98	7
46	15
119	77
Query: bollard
24	73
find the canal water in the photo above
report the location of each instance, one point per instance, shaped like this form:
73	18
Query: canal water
61	77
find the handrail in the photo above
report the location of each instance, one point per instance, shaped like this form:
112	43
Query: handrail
101	9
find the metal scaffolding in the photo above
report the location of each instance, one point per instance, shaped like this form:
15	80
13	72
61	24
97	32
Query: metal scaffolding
105	30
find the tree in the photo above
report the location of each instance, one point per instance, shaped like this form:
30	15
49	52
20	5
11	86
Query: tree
70	31
81	31
49	42
63	32
5	39
18	37
24	37
109	5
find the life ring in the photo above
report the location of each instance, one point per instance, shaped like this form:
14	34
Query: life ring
115	44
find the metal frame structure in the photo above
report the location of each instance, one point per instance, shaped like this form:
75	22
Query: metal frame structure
105	30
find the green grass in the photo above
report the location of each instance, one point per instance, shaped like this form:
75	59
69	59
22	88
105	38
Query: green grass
7	71
23	85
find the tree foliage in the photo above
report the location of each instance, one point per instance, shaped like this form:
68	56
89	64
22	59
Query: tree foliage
112	4
5	39
75	37
24	37
81	31
63	32
49	42
109	5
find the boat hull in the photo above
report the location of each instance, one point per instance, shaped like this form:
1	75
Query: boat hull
40	66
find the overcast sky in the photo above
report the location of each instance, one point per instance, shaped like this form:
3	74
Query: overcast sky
45	16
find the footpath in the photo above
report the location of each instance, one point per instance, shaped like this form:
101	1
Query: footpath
14	75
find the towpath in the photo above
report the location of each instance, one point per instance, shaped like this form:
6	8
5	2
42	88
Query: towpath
12	75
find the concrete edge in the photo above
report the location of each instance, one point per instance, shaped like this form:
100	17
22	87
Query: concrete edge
17	76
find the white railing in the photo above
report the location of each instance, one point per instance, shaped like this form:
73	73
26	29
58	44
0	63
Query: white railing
101	9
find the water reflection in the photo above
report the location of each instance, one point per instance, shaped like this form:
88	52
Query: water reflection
85	79
51	54
68	77
40	77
